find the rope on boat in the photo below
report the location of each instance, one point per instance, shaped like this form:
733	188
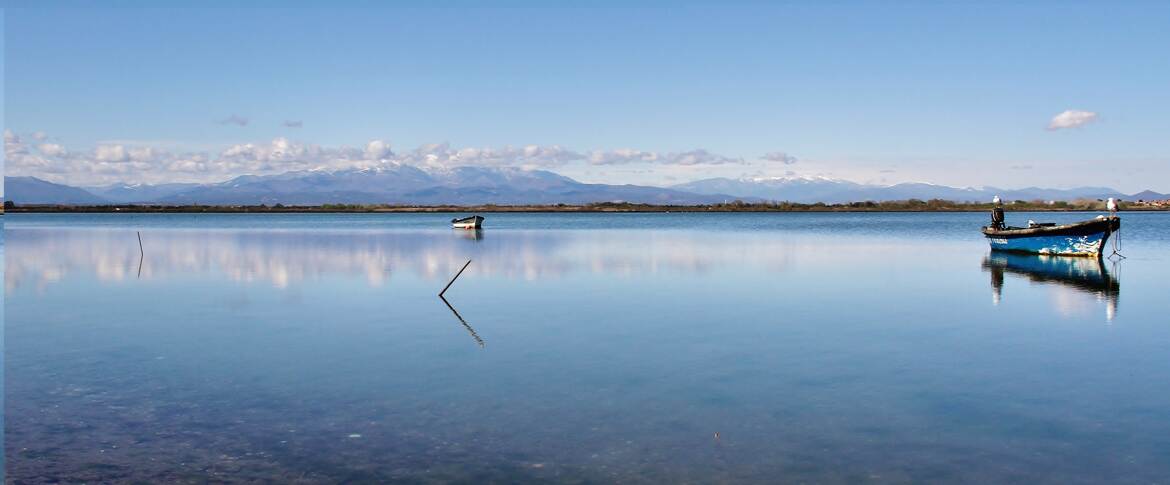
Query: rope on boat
1117	246
1117	239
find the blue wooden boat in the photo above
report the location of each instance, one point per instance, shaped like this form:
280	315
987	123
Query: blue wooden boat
1086	238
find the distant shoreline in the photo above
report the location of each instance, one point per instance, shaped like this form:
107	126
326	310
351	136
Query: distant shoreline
892	206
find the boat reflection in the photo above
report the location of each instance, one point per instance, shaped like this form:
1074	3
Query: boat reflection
472	234
1086	276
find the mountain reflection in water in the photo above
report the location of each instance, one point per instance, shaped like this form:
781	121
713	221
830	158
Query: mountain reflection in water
1086	276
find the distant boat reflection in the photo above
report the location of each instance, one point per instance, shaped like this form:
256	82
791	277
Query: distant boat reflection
1087	276
472	234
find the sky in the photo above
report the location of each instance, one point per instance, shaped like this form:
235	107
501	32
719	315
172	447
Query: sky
1006	94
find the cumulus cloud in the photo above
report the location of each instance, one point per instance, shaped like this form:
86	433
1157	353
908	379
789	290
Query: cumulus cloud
527	156
143	154
699	157
292	123
378	150
52	150
12	144
1071	119
110	153
628	155
118	162
129	161
781	157
621	155
234	119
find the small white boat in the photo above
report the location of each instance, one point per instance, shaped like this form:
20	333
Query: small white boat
473	222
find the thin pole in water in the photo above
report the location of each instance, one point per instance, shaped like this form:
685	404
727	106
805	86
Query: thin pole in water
455	278
141	254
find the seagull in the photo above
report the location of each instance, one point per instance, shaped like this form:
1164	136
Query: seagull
1111	204
996	200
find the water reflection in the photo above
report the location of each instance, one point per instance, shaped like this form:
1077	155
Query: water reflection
620	361
285	257
1086	276
470	330
472	234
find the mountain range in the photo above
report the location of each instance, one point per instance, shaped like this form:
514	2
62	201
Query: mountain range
389	184
820	189
410	185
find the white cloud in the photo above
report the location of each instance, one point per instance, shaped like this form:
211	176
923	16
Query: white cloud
12	145
378	150
143	154
621	155
781	157
52	150
699	157
528	156
110	153
1071	119
628	155
116	162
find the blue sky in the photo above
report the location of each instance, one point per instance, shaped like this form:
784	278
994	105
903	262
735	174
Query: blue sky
947	92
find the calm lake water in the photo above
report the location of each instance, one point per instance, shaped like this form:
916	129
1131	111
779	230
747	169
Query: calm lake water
579	348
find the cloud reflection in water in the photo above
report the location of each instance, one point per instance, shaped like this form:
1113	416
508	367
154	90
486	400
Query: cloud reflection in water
283	258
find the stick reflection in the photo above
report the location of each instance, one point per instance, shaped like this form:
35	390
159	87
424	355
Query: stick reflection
467	326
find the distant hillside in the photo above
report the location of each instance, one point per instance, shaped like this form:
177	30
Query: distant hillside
399	184
32	190
138	193
390	184
812	190
1149	195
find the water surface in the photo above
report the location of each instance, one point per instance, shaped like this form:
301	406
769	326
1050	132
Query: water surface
579	348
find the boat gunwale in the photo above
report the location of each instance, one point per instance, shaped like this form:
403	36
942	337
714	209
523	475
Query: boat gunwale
1111	224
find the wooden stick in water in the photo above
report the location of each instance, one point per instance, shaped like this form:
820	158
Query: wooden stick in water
455	278
141	254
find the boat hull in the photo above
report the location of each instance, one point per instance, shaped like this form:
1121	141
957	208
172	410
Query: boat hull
1080	239
473	222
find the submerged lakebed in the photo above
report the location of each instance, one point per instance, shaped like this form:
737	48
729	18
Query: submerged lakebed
825	347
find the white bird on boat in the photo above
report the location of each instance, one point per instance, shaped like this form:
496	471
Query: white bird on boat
1111	204
996	200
